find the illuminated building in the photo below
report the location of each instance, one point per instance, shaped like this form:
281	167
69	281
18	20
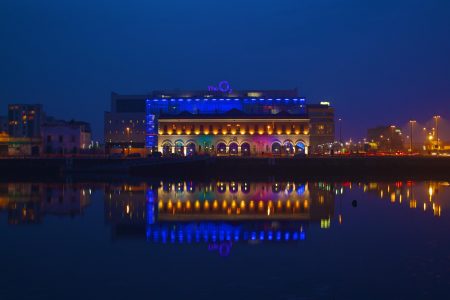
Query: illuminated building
233	133
218	106
237	124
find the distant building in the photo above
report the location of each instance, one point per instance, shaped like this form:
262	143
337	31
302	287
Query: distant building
24	128
386	138
61	137
321	119
124	125
25	120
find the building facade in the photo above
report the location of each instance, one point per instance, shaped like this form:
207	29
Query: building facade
62	137
125	125
233	133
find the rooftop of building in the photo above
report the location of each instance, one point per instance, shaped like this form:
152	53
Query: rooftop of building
208	93
52	122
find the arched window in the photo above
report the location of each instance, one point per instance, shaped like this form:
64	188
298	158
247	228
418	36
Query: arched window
300	147
167	149
190	149
233	148
276	148
179	148
245	149
288	147
221	148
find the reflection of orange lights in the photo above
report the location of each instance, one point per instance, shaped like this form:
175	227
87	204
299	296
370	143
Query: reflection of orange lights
288	204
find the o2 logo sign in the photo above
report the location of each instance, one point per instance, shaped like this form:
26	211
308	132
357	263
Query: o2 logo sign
223	86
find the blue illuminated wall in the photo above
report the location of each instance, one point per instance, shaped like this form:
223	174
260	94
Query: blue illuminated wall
156	107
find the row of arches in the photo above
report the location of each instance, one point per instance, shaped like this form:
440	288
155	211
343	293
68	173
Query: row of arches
234	148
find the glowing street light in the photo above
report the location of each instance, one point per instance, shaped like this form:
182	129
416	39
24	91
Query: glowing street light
411	124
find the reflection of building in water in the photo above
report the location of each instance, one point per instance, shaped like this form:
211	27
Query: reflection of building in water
126	208
427	196
29	202
242	201
223	213
219	211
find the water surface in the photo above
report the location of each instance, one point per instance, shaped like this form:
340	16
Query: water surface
225	240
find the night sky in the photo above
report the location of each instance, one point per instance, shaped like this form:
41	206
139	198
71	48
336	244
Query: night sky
377	62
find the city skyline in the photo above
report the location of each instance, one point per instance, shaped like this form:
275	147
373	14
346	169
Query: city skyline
387	60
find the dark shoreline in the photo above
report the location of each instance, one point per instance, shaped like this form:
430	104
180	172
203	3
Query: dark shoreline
223	168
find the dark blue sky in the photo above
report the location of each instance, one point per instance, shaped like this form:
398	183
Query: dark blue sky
376	61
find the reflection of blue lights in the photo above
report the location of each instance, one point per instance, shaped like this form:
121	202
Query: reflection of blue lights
302	236
278	235
215	233
150	206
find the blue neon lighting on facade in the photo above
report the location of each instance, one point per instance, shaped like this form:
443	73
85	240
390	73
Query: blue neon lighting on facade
157	106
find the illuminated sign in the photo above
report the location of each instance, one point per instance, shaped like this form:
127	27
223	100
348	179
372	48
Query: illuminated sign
223	87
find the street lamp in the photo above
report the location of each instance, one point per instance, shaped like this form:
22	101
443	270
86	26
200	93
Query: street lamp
411	124
436	118
340	130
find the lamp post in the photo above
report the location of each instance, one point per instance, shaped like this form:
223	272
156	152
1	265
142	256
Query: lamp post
436	118
411	124
128	137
